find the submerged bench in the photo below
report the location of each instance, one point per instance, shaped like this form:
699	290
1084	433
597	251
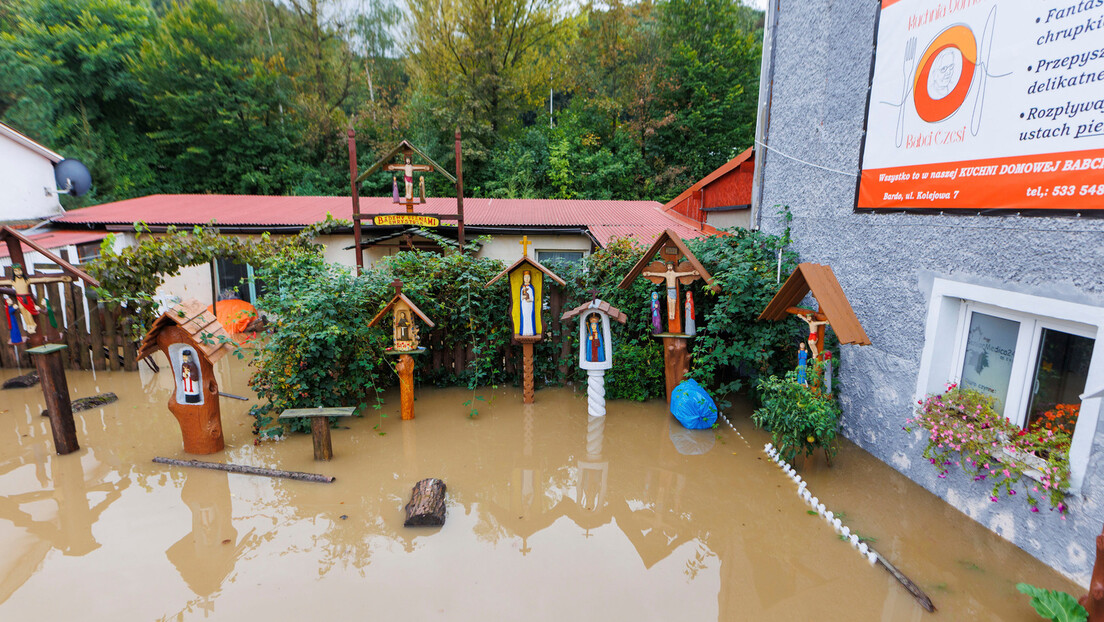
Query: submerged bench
320	426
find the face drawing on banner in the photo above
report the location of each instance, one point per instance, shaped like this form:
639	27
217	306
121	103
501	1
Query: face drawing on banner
945	73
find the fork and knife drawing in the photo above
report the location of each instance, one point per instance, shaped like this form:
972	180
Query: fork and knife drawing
979	79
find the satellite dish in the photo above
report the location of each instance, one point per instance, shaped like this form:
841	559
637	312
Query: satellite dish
72	177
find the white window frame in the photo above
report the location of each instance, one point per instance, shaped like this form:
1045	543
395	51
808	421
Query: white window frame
941	361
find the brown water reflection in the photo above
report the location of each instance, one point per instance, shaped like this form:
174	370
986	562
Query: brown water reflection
551	517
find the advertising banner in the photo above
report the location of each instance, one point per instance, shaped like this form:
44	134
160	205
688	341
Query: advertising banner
981	105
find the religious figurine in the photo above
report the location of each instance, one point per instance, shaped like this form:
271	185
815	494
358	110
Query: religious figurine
527	296
189	378
657	324
595	347
671	276
690	326
394	189
402	327
23	299
595	343
802	361
10	310
813	338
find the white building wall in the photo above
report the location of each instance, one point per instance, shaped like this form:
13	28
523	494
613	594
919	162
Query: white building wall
27	186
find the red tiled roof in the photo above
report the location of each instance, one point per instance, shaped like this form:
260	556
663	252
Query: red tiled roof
642	219
52	240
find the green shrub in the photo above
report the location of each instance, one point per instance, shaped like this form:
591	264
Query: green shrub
800	419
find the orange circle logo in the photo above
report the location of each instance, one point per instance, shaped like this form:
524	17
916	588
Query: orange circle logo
946	72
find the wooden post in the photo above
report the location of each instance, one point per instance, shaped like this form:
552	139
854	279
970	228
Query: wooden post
356	199
527	342
459	194
676	362
320	434
56	391
405	368
1093	602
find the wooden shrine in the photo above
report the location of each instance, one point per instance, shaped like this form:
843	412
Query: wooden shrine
405	336
595	347
36	325
526	279
833	309
193	341
405	168
670	262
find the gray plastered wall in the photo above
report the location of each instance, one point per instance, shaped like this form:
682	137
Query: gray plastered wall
886	264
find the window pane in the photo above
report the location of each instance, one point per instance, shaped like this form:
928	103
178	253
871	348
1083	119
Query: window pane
233	280
990	348
546	256
1060	377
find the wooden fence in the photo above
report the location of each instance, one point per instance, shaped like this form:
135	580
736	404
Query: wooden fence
457	359
99	336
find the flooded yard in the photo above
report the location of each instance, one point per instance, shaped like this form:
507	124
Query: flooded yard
551	516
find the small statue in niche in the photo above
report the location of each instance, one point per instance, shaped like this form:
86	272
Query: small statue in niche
657	323
595	346
802	362
189	378
690	326
12	313
402	327
527	295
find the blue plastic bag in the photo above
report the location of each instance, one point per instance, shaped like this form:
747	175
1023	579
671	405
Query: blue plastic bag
692	406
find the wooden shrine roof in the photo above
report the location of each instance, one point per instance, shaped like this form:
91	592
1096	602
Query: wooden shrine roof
533	262
821	281
404	146
597	305
649	256
201	324
410	303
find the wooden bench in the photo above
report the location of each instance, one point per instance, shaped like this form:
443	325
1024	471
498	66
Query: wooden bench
320	426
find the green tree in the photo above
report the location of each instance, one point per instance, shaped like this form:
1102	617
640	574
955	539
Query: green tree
213	107
64	81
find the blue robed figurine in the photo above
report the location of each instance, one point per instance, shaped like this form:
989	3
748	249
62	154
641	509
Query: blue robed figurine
12	313
802	359
595	340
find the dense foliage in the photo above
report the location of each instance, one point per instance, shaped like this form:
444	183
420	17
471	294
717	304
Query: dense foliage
965	430
801	419
322	352
252	96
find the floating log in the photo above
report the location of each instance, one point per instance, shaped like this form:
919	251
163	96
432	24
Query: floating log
20	382
86	403
913	589
247	470
427	504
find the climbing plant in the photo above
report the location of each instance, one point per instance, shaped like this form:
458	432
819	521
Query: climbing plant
132	274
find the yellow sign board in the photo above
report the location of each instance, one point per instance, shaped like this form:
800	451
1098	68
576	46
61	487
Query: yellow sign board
417	220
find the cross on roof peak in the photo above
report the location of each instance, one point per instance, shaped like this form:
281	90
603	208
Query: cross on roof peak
397	284
525	245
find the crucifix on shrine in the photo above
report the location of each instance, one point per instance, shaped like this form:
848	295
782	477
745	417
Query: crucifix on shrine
42	343
671	264
25	305
408	169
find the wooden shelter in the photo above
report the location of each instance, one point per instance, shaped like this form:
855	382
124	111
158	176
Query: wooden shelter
669	246
613	312
515	272
526	304
192	340
405	333
401	304
834	307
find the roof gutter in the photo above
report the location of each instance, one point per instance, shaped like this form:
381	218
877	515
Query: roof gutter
762	120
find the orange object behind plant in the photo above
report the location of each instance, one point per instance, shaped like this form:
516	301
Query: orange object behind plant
234	315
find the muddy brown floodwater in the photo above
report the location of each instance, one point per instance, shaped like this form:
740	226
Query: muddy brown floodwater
550	517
